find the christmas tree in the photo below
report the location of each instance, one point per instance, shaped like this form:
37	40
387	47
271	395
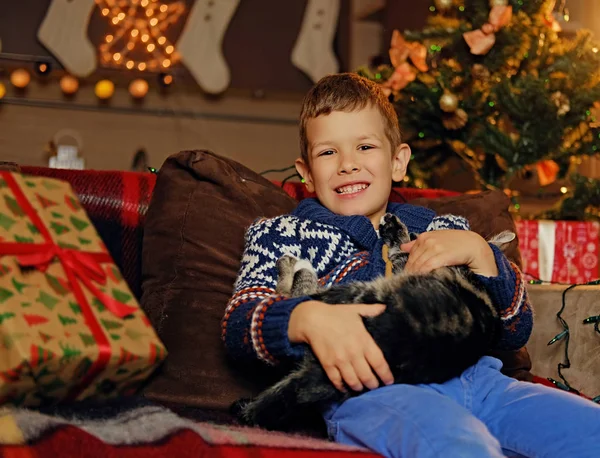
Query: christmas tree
495	83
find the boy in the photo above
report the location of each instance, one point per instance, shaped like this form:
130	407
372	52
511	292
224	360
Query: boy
351	152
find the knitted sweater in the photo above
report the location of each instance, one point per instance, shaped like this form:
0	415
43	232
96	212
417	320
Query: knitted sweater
342	249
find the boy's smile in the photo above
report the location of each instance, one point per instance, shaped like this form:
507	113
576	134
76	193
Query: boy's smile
351	165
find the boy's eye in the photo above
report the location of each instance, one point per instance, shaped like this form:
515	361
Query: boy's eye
365	147
329	152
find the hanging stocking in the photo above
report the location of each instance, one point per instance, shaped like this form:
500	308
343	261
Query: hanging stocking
200	43
64	33
313	51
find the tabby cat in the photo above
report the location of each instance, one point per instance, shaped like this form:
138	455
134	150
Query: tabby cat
434	327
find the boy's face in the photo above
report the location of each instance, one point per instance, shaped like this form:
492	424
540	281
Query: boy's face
351	165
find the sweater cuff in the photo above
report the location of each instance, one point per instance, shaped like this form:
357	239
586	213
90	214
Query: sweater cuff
503	288
269	329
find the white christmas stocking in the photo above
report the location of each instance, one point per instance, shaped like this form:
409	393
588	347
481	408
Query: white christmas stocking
64	33
313	51
200	43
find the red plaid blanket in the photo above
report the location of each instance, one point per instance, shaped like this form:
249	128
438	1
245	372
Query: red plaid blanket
138	429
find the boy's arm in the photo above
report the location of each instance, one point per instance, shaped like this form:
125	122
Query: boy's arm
507	290
255	324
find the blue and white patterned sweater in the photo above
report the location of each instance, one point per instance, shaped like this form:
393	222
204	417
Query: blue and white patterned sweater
341	249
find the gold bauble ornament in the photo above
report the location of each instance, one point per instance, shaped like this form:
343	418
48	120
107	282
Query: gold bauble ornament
20	78
138	88
104	89
449	102
443	5
69	84
562	102
2	90
456	120
498	3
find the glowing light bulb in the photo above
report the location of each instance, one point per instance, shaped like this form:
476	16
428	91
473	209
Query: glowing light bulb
145	37
135	33
109	38
129	64
166	63
150	47
169	49
141	66
117	56
153	22
163	8
162	40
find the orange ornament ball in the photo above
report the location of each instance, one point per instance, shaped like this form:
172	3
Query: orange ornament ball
20	78
138	88
104	89
69	84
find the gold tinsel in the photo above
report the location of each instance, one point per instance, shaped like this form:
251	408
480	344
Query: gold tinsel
480	72
456	120
575	134
456	82
439	21
426	78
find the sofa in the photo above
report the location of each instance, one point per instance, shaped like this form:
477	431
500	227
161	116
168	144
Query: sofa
177	237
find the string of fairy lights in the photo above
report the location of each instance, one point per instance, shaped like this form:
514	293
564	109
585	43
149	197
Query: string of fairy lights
137	41
565	334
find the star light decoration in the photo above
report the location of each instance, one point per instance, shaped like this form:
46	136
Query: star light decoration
139	39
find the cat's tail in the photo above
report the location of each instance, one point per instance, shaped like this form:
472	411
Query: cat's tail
288	404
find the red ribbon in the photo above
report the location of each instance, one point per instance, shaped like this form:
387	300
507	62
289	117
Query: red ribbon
79	267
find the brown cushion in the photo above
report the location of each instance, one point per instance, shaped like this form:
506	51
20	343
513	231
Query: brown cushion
486	211
193	242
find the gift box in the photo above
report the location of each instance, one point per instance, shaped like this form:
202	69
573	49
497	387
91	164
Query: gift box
559	251
70	328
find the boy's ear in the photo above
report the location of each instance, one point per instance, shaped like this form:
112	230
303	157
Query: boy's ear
304	171
400	162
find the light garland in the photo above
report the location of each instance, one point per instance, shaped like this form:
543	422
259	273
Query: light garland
141	26
565	335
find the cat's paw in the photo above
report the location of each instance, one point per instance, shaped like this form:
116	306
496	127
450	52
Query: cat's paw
285	264
393	231
239	410
253	412
304	264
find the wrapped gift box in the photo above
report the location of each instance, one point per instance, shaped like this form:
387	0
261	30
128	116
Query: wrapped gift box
559	251
70	328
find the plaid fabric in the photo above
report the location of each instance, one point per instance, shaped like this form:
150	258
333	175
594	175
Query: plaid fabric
137	428
117	203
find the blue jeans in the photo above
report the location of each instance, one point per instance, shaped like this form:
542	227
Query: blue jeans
480	414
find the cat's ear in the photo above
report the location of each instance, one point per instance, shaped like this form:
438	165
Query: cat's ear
502	239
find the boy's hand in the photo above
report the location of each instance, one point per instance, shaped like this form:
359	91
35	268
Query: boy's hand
435	249
341	343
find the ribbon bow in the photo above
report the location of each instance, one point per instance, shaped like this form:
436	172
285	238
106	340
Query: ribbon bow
547	171
480	41
85	267
402	50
